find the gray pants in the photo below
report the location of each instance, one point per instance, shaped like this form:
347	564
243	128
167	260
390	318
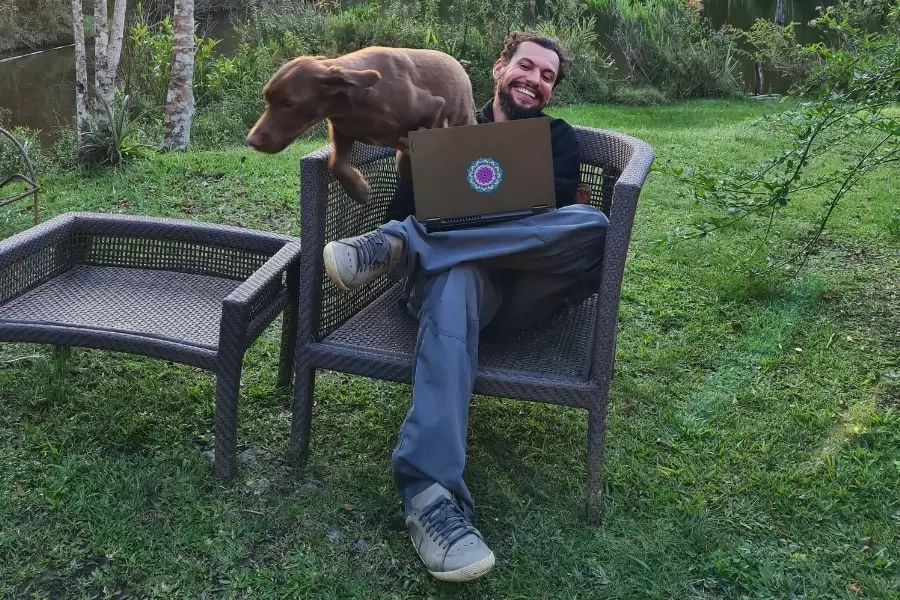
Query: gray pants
506	276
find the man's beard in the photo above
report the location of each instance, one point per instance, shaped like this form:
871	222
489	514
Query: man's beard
514	111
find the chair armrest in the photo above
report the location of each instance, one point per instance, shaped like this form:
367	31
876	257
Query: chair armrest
327	213
251	295
631	159
35	255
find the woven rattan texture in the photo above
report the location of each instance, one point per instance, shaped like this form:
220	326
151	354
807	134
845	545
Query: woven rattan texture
153	303
191	292
561	348
171	255
33	269
568	361
345	219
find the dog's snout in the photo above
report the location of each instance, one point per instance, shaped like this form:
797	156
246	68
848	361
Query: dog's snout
256	139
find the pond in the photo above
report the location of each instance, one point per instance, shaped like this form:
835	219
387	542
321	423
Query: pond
38	86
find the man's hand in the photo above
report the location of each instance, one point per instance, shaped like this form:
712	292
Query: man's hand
583	195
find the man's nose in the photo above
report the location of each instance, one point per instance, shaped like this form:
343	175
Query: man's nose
533	77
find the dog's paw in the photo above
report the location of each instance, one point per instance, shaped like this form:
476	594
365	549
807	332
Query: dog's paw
358	190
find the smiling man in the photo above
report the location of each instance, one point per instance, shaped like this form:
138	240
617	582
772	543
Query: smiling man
507	276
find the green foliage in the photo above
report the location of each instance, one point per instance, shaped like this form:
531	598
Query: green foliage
31	23
669	45
113	139
776	48
147	59
473	33
850	128
752	451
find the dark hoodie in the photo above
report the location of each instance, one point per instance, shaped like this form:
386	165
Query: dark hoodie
566	166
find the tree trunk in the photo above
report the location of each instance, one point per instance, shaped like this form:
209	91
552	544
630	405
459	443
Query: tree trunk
760	84
180	99
101	41
108	49
81	79
780	11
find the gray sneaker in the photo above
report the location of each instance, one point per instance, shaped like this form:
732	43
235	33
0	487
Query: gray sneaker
449	545
355	261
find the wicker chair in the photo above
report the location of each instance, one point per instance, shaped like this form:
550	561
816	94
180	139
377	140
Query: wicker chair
190	292
567	361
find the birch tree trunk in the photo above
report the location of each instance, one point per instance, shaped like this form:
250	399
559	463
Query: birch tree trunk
780	11
81	79
180	99
101	40
108	48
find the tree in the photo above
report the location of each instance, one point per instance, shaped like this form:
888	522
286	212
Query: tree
108	47
81	109
780	9
180	99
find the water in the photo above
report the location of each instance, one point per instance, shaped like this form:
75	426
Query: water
38	87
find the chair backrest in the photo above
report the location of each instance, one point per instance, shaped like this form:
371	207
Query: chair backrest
604	156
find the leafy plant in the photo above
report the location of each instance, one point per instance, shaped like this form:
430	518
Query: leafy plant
669	45
854	106
111	141
776	48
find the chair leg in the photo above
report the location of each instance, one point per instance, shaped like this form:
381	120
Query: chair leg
301	416
289	330
595	461
288	348
228	384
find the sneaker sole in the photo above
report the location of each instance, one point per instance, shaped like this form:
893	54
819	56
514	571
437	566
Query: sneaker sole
331	268
467	573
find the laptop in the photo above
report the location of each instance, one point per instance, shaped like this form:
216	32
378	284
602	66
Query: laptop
473	175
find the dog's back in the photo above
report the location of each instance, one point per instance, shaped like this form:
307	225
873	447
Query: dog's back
405	70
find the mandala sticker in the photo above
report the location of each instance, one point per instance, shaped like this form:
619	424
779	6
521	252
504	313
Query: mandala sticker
484	175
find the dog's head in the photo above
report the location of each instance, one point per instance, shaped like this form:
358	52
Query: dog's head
299	95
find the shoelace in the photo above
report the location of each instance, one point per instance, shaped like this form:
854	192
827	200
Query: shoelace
373	250
445	522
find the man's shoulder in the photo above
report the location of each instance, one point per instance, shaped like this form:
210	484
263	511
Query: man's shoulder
562	129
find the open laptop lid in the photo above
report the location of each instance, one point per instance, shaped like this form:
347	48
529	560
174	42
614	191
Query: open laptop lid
482	169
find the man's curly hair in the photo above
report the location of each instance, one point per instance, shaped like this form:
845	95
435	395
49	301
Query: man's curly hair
514	40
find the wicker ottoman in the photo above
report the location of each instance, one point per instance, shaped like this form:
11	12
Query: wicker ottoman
193	293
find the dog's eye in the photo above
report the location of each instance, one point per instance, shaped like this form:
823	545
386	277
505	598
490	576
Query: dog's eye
286	104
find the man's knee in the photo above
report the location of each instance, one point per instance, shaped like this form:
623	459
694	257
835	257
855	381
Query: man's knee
586	214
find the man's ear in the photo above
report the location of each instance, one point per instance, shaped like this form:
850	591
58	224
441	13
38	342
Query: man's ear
498	67
336	76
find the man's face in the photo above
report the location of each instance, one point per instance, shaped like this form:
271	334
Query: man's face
524	86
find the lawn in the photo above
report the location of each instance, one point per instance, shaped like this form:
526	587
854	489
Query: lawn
753	440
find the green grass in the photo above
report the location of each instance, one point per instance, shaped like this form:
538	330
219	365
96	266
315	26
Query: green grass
753	442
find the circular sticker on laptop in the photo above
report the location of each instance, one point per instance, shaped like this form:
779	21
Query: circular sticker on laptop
484	175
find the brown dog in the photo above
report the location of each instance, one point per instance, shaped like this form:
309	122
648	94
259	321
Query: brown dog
376	95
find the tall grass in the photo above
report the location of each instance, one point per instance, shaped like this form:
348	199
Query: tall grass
669	45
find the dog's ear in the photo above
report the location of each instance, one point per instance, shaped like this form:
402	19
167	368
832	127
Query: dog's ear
336	76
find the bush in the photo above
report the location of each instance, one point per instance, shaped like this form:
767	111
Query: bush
31	23
849	128
474	35
668	45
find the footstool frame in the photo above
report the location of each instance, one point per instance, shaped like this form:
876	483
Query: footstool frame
190	292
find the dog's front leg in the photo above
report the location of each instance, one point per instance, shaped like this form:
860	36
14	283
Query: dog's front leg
350	179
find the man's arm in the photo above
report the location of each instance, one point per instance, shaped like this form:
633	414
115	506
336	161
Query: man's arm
566	162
